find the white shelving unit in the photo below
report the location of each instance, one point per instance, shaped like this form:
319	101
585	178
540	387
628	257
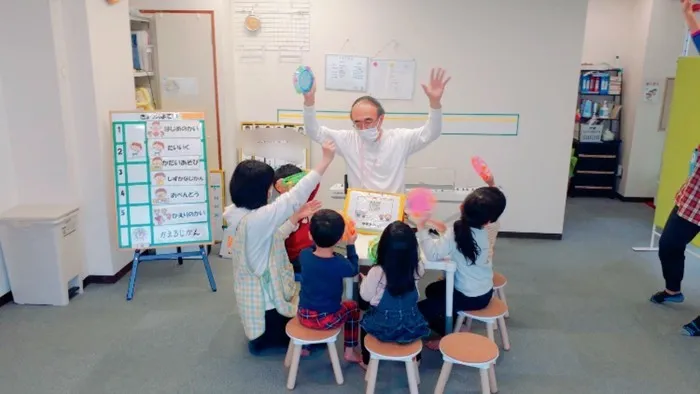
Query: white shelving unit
147	76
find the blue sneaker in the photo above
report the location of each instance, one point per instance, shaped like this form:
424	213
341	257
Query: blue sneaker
663	296
692	329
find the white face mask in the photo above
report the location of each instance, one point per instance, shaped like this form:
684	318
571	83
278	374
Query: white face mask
369	135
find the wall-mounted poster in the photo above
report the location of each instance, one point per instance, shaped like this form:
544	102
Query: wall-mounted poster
373	211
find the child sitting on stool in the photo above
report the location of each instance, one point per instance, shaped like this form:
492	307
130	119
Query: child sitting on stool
390	289
320	305
299	239
467	244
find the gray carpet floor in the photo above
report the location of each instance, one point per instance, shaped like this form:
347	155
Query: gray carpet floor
580	323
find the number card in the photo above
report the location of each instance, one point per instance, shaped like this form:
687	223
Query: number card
161	179
373	211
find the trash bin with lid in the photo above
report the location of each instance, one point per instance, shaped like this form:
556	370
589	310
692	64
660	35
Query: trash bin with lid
43	251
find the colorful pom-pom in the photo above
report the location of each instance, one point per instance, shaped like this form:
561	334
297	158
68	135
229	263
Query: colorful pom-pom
420	201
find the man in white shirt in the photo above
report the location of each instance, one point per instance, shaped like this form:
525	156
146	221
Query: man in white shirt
376	157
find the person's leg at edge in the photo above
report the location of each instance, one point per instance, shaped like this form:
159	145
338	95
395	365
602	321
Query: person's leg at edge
692	329
274	337
675	237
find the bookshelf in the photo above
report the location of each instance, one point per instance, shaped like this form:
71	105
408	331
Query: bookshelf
597	134
144	58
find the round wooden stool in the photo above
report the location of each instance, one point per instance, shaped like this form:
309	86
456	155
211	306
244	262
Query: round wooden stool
392	352
299	336
494	313
471	350
499	282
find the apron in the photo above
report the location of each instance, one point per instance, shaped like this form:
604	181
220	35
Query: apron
277	283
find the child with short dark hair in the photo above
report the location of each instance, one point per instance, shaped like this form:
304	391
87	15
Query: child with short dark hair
320	305
299	239
390	289
467	244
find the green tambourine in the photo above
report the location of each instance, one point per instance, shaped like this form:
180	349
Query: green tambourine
372	250
294	179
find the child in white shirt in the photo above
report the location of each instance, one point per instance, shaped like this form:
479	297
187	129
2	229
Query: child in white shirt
467	244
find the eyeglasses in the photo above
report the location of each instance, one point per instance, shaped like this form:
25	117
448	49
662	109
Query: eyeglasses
364	124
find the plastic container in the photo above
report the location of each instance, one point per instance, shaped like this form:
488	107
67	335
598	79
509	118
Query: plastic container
43	250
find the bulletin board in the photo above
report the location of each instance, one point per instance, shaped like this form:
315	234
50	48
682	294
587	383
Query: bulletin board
160	179
681	138
274	143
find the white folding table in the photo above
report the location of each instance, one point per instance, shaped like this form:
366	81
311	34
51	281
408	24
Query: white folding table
449	267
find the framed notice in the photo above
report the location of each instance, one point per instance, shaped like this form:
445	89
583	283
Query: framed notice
274	143
160	179
373	211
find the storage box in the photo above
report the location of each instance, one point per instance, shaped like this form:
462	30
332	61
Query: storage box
43	250
591	133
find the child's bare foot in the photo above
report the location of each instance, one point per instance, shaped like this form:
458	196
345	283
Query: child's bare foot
433	344
352	356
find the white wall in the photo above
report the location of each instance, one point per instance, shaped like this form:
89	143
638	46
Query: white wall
648	37
608	31
103	70
78	69
8	190
544	36
664	44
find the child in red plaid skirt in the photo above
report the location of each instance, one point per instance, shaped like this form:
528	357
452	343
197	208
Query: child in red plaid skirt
320	302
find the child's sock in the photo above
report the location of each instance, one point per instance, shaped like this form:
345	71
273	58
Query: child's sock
663	296
692	329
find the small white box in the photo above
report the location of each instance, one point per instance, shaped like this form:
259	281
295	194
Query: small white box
43	250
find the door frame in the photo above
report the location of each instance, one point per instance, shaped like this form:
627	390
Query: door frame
216	71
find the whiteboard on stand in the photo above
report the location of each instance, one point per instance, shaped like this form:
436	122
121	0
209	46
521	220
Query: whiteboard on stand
392	79
346	73
160	179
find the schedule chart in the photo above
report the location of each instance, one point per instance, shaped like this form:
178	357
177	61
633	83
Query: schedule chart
161	179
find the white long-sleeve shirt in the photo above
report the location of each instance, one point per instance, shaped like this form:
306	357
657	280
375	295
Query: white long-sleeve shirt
472	280
379	166
262	223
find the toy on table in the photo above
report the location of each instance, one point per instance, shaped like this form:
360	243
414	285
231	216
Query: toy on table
349	227
372	250
481	168
420	202
293	179
303	79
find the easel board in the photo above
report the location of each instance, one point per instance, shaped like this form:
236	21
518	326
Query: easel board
373	211
160	179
